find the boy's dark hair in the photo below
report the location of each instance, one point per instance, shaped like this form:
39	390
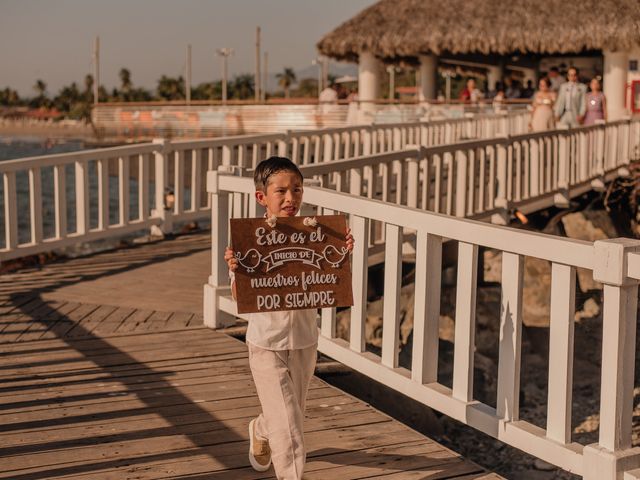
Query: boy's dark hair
271	166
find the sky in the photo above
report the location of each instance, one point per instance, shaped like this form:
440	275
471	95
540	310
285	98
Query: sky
53	40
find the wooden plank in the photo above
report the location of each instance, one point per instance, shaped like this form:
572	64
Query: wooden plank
145	404
85	326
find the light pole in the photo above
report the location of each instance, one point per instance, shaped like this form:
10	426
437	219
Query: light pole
224	53
187	86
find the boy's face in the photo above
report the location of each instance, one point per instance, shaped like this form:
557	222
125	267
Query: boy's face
283	196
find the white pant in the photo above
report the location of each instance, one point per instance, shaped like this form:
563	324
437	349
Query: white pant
282	378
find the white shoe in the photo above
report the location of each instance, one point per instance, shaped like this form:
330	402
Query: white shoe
259	451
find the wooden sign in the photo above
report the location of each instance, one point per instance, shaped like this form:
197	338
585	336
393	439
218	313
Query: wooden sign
298	263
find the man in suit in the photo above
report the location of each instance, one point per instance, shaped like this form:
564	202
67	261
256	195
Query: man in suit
571	105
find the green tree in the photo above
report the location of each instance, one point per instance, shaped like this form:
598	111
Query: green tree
308	87
241	87
67	98
88	88
286	79
170	88
9	97
41	100
125	84
207	91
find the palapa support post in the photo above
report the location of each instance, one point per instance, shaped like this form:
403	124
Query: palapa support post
218	284
613	455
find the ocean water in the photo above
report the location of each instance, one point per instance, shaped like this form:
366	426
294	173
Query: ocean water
21	147
30	146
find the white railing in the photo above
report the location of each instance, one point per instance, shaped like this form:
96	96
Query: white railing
78	194
304	146
615	263
488	178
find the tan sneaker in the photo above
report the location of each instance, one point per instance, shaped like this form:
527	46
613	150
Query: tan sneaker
259	451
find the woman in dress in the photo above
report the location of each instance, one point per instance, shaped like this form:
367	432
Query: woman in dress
596	103
542	113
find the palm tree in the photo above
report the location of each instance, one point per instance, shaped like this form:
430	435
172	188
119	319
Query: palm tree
41	99
285	79
88	87
40	87
125	83
170	88
242	87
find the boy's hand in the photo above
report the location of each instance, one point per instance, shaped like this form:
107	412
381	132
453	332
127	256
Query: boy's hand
232	261
350	240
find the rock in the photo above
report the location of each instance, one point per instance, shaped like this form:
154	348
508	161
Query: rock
590	309
542	465
590	225
492	266
536	293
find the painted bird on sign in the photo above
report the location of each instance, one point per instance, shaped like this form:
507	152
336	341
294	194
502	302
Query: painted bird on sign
334	256
250	260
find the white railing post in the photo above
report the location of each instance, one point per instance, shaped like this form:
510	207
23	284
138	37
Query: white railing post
507	405
367	140
501	202
461	182
10	211
162	155
613	453
465	322
583	161
218	283
102	166
123	189
82	197
561	198
534	166
60	200
413	176
283	148
424	366
391	303
35	204
359	262
625	138
561	339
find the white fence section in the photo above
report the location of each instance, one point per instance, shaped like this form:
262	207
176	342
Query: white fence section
107	193
488	178
615	263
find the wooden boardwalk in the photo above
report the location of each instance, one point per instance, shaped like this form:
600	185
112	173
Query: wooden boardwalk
95	386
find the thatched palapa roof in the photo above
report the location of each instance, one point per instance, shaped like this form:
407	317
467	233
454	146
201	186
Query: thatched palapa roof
407	28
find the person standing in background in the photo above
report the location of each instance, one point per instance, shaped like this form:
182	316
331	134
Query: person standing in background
571	105
471	93
543	101
555	79
596	103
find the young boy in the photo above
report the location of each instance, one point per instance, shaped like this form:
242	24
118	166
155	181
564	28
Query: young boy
282	345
